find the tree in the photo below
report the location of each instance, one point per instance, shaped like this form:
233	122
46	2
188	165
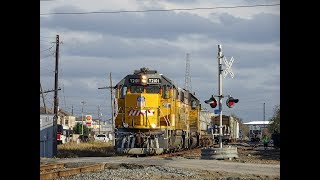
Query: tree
78	129
274	126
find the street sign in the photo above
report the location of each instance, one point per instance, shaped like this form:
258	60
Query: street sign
228	68
89	124
216	111
88	117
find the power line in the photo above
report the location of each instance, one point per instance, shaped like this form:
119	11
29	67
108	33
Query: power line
51	37
48	55
47	41
160	10
47	49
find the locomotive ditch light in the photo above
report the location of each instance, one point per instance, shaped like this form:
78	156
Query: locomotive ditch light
153	126
212	101
125	125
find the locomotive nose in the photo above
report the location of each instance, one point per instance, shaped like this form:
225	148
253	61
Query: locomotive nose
141	110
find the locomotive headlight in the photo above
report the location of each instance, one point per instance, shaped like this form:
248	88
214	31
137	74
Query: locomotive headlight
153	125
144	79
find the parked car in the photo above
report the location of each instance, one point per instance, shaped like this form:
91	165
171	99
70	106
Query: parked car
101	137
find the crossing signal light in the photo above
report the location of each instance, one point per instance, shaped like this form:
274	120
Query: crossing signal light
231	101
212	101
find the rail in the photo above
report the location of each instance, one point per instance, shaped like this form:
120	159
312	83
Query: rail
60	170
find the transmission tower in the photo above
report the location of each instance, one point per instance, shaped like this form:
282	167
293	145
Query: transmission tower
187	81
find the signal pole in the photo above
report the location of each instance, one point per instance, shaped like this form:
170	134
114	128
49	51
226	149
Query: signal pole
220	56
231	101
221	152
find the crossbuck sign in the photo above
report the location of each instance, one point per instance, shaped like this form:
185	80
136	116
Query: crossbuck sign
228	68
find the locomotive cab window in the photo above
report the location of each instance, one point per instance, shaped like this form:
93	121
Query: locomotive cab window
193	104
136	89
181	93
166	91
152	89
123	91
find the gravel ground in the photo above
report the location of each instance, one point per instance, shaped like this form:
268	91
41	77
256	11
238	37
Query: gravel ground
123	171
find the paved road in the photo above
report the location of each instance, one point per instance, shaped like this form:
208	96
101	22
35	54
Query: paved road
214	165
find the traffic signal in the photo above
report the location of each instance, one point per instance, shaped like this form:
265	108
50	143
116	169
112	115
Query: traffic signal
231	101
212	101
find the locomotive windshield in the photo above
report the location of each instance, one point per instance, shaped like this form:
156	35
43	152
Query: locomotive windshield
149	89
152	89
136	89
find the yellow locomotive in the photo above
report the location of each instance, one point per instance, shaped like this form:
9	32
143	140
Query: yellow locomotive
154	116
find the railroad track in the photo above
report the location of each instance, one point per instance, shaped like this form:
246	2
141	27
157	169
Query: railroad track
52	171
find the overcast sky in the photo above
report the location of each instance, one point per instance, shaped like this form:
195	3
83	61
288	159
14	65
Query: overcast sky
95	44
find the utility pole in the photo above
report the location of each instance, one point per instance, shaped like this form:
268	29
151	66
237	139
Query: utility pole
44	103
72	110
64	98
264	114
56	102
82	117
112	107
99	117
220	56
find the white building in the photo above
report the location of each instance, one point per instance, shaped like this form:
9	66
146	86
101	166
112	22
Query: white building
67	120
256	127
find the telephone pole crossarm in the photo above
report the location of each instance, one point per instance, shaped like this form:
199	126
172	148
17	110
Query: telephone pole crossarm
47	91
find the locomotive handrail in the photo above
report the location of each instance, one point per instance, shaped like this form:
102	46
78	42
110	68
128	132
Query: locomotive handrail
167	121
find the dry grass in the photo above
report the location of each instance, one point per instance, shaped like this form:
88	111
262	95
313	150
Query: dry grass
90	149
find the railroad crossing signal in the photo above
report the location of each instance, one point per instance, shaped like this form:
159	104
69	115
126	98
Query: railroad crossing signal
228	68
212	101
231	101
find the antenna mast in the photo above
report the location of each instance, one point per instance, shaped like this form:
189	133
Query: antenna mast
187	81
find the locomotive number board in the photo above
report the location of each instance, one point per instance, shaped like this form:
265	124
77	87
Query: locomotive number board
154	81
150	81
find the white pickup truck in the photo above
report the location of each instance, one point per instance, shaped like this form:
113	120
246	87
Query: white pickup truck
101	138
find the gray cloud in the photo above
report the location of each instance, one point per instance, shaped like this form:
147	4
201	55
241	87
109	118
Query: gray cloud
169	25
95	45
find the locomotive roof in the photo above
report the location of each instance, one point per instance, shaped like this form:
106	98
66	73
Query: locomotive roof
145	71
165	80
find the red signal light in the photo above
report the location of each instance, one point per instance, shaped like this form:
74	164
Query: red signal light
231	101
212	101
